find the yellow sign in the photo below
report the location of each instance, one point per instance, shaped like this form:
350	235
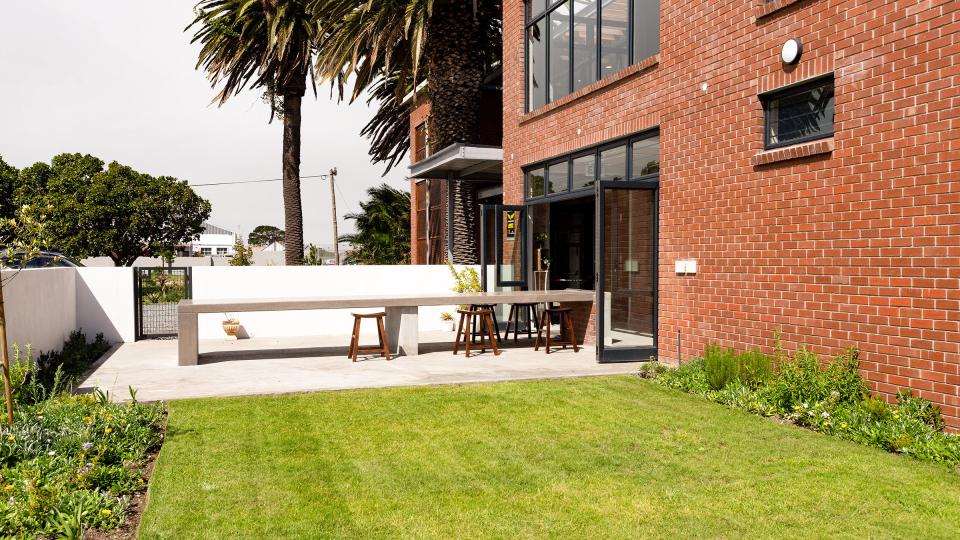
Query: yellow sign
511	224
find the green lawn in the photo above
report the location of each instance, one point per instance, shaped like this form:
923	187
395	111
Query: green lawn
593	457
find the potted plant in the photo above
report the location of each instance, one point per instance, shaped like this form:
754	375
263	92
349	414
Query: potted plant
231	325
447	320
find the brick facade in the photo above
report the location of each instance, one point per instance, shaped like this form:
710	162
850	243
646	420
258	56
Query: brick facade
853	240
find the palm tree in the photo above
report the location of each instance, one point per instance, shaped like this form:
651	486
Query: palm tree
269	45
383	228
388	45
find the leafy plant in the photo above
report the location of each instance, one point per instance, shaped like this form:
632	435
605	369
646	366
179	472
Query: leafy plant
465	281
723	366
242	255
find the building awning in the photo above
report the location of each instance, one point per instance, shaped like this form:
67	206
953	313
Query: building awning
462	162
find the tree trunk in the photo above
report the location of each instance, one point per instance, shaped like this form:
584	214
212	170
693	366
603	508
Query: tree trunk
5	357
455	65
292	212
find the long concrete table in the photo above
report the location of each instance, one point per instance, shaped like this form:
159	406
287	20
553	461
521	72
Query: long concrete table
401	319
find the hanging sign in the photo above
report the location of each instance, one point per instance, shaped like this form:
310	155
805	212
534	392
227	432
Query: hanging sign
511	224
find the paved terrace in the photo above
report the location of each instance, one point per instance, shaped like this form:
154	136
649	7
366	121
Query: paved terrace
282	365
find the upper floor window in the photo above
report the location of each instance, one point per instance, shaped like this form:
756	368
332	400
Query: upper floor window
635	158
798	114
572	43
421	143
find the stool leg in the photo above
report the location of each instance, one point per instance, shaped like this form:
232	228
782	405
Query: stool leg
470	337
570	332
353	334
546	316
456	344
493	340
384	344
510	317
481	319
536	346
495	323
356	338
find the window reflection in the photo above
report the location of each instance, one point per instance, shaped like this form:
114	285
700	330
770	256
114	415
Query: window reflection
584	168
613	163
584	43
645	156
537	66
614	47
559	52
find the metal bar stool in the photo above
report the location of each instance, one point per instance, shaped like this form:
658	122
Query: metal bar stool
566	325
468	317
383	349
517	311
493	313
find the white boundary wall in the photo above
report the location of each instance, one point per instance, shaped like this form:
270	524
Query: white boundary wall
314	281
40	307
44	306
105	303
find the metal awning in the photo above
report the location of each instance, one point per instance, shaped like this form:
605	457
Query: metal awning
462	162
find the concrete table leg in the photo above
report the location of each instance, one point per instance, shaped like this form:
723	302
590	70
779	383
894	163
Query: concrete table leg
187	339
402	330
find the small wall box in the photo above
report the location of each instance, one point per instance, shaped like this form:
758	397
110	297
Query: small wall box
685	266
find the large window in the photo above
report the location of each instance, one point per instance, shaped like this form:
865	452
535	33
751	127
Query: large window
572	43
798	114
635	158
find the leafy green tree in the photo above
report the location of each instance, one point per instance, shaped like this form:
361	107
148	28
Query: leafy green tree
383	228
268	45
242	255
8	183
314	256
386	46
263	235
115	211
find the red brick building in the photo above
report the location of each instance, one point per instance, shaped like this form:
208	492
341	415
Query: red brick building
718	171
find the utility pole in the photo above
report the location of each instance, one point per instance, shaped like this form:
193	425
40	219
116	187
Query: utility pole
333	205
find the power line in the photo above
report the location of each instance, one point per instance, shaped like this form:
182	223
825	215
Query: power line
231	182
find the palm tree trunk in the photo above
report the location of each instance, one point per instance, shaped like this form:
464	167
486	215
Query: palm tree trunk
455	67
292	211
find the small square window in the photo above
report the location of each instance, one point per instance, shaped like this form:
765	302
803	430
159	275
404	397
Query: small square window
799	114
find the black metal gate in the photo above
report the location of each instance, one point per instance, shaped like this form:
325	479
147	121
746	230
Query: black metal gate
157	291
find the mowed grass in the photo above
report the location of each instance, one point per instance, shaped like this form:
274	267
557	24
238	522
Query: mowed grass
601	457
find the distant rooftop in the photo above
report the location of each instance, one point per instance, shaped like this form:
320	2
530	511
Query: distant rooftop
209	228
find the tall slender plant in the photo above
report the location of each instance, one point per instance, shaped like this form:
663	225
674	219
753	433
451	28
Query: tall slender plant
267	45
22	237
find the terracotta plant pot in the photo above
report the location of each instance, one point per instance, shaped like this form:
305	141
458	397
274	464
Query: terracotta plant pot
232	328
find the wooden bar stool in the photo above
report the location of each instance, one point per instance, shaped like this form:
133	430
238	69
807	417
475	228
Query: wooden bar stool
517	311
383	349
471	316
474	330
566	325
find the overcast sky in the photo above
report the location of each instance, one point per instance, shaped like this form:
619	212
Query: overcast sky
116	79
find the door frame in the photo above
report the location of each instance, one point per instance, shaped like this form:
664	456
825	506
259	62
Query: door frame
520	236
634	354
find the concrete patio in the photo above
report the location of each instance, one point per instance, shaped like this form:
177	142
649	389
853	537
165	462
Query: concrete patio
290	364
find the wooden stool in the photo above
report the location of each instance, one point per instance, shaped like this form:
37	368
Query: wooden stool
493	313
516	311
471	316
566	325
383	349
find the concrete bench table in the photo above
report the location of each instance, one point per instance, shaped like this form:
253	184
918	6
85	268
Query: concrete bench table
401	320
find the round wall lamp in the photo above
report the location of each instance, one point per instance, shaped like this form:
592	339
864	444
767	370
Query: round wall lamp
791	51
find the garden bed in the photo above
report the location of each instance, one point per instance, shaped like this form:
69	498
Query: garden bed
74	465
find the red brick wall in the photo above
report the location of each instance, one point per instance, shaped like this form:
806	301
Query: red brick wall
853	241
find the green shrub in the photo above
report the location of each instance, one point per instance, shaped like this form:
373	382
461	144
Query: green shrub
719	365
69	462
689	377
55	371
723	366
832	399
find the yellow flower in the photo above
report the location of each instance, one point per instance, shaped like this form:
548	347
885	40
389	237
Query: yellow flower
108	430
106	512
11	438
9	487
87	419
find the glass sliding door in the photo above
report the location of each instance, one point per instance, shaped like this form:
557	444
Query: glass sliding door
627	258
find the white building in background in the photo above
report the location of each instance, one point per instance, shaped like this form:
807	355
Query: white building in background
213	241
273	246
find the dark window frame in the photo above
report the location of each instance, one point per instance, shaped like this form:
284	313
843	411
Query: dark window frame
530	19
786	92
594	151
